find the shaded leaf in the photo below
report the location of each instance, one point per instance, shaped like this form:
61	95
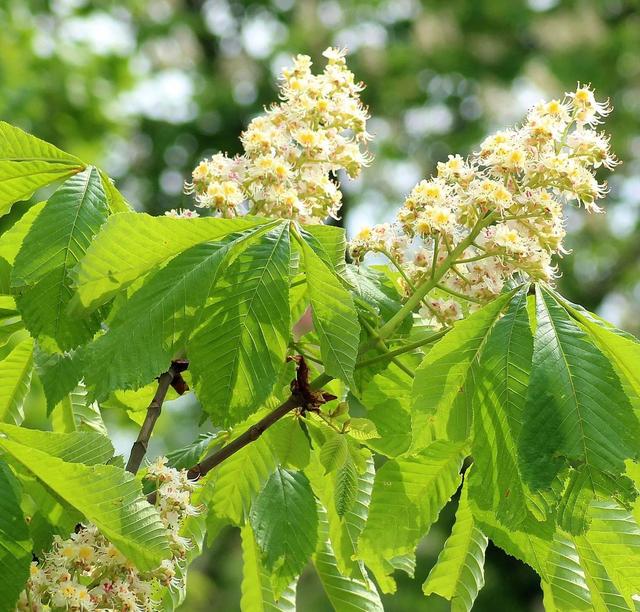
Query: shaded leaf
344	531
346	486
345	593
285	522
289	443
232	495
257	593
245	331
15	543
500	391
576	409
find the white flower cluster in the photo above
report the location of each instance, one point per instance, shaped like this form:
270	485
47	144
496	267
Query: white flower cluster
294	150
482	220
87	572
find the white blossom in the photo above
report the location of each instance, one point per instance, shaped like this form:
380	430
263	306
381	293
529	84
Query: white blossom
513	189
293	151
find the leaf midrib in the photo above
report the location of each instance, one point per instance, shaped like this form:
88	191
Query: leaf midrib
242	327
573	391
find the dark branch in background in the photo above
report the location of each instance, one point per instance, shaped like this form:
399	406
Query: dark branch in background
171	378
302	396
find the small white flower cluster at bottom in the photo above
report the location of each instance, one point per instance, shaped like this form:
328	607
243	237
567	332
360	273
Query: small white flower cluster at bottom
87	572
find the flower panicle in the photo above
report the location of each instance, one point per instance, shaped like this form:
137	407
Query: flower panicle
514	189
294	150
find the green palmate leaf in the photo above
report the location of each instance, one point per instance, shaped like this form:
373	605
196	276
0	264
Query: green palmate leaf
107	496
622	350
131	245
76	413
334	452
289	443
444	380
245	331
15	544
408	494
15	381
156	322
329	243
334	317
614	536
285	522
388	400
500	396
374	288
115	199
576	409
344	531
458	574
257	592
88	448
59	374
28	163
12	239
188	456
566	587
346	486
236	481
57	240
345	593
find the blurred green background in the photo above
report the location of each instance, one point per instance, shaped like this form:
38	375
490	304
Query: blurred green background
146	88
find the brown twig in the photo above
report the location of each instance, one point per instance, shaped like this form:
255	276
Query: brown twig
171	378
302	396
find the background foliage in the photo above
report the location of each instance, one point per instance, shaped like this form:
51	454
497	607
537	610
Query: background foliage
145	89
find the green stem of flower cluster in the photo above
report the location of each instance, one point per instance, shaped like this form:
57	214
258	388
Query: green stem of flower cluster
405	348
424	288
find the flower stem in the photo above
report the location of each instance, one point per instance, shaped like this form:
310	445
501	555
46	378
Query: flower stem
423	289
403	349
